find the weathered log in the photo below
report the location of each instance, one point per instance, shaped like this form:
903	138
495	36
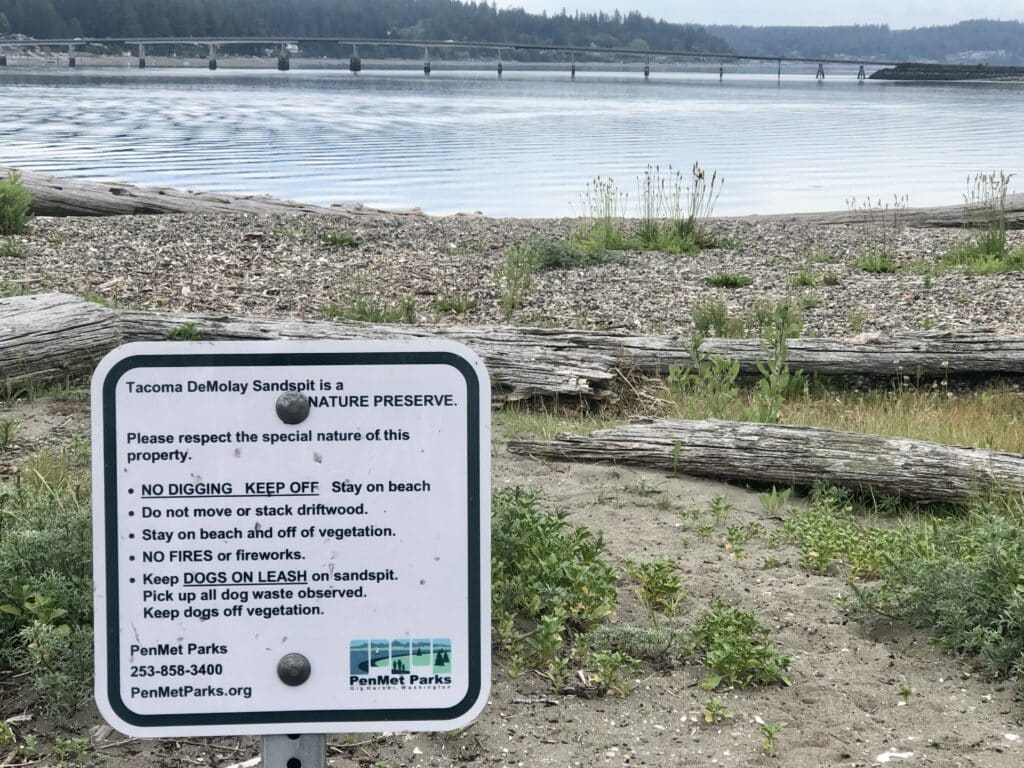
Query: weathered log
944	216
49	338
794	456
523	363
928	354
52	196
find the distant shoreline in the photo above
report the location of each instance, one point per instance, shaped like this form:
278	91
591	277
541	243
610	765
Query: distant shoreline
949	73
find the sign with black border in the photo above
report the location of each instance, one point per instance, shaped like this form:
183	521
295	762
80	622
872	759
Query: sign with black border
264	571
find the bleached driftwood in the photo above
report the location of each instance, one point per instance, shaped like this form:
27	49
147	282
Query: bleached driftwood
52	196
52	337
797	456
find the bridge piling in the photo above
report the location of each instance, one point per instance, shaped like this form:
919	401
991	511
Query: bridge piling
820	74
861	75
780	70
355	64
501	67
647	68
284	62
142	56
721	73
72	59
426	62
212	64
3	59
572	67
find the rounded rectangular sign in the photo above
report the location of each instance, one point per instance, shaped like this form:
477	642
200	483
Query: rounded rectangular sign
291	537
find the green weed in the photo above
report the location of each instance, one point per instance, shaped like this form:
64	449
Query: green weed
454	304
183	332
878	263
768	733
342	239
803	278
881	227
543	567
728	280
985	204
774	501
515	279
12	249
611	670
15	202
713	315
715	712
46	578
660	588
9	429
736	649
368	309
663	647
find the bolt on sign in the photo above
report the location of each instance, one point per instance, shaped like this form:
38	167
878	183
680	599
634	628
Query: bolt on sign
291	537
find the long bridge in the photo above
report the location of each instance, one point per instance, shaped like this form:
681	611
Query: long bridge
285	45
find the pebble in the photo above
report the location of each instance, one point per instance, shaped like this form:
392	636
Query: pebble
279	266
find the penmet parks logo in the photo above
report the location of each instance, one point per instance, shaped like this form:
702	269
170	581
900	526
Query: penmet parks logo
400	664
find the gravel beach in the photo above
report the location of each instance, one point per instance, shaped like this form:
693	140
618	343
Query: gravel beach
280	266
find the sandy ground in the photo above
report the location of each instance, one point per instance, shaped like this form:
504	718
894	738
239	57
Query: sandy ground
843	708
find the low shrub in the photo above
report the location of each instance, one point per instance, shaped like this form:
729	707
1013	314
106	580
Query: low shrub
15	202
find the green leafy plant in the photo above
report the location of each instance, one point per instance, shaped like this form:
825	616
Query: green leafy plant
545	569
777	382
660	588
15	202
611	671
708	388
183	332
720	508
46	578
769	731
715	712
70	749
737	650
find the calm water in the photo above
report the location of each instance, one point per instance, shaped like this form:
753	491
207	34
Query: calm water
524	145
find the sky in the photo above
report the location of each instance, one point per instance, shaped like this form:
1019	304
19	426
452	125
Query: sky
898	14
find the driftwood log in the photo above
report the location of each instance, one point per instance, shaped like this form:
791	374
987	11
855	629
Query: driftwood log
794	456
48	338
53	196
931	216
52	337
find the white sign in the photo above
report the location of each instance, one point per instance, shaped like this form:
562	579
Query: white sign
291	537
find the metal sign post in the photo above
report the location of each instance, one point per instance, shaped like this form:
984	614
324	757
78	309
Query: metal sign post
291	538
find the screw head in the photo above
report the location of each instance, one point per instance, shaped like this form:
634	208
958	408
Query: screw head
293	407
293	669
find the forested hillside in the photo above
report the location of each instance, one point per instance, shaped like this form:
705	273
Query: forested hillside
980	40
417	19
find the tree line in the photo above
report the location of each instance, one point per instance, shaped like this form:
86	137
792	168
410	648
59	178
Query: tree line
407	19
997	42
